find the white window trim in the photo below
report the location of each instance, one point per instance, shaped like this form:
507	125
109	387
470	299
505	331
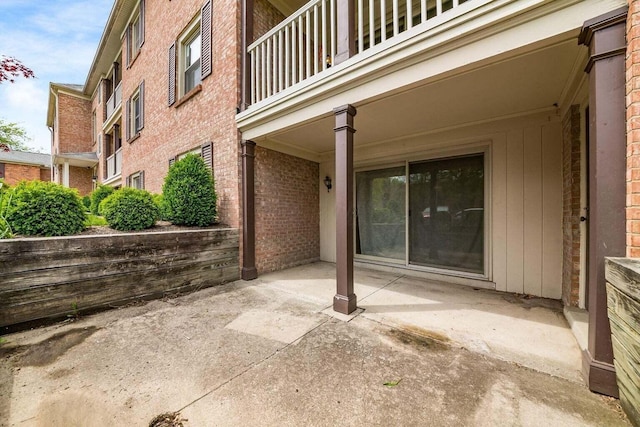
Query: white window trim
186	36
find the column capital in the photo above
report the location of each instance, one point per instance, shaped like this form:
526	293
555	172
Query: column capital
605	44
347	108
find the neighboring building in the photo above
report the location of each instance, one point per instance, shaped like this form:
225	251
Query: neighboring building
490	145
73	152
16	166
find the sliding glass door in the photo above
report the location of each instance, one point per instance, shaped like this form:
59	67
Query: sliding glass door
381	213
443	225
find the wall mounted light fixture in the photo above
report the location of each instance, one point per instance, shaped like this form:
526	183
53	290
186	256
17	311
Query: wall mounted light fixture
327	183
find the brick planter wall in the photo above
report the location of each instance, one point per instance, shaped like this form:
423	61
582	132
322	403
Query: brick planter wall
52	277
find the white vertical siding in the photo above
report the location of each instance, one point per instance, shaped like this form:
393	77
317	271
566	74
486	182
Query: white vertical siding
552	211
532	174
515	212
525	199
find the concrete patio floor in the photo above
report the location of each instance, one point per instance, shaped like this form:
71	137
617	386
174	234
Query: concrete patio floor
271	352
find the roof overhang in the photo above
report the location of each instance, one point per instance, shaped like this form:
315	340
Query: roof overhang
85	160
54	90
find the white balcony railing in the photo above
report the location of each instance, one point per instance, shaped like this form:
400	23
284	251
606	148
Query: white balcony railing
304	44
114	164
115	100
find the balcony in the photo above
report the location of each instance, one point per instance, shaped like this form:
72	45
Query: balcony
305	44
453	62
114	102
114	165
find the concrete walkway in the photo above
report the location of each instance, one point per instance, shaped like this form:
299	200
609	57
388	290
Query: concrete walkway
267	352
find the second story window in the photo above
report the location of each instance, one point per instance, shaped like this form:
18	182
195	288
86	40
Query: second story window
191	50
190	56
135	34
135	113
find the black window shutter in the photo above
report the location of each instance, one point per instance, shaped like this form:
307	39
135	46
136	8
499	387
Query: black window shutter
207	154
172	74
127	42
141	40
205	46
142	180
127	119
141	98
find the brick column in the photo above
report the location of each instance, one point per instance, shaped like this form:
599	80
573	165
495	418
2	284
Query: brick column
249	271
345	300
633	129
605	37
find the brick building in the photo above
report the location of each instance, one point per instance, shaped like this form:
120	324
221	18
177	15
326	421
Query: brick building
16	166
479	158
73	153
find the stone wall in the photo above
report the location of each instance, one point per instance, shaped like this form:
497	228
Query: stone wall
56	276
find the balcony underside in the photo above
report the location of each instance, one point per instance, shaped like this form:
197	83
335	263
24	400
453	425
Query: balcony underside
472	73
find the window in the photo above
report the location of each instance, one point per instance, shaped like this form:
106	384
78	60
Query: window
136	180
135	34
1	170
191	62
190	56
94	129
205	151
135	113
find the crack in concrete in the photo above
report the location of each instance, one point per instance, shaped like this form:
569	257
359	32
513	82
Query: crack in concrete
253	365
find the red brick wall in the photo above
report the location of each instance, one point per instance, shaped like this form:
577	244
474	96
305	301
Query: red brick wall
14	173
207	116
74	124
80	178
287	216
571	206
633	129
265	17
45	174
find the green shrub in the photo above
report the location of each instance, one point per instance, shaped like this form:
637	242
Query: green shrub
189	193
98	195
45	209
129	209
95	220
158	199
86	202
5	200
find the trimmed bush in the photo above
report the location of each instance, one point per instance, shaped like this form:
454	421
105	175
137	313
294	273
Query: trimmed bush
158	199
189	193
86	202
98	195
45	209
129	209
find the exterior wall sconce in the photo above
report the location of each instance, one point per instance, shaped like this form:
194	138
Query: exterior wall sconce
327	183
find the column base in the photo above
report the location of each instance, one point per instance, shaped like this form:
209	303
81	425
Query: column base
345	304
249	273
600	376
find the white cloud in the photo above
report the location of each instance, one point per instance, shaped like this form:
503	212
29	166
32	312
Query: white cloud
57	39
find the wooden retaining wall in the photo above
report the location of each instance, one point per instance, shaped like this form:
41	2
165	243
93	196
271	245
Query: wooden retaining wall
57	276
623	307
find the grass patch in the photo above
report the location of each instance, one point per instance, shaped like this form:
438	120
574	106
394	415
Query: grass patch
93	220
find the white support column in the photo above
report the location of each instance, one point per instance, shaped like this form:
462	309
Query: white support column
65	175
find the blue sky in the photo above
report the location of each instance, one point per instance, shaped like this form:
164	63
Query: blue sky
57	39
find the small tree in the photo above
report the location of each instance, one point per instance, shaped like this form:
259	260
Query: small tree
12	137
189	193
40	208
97	196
